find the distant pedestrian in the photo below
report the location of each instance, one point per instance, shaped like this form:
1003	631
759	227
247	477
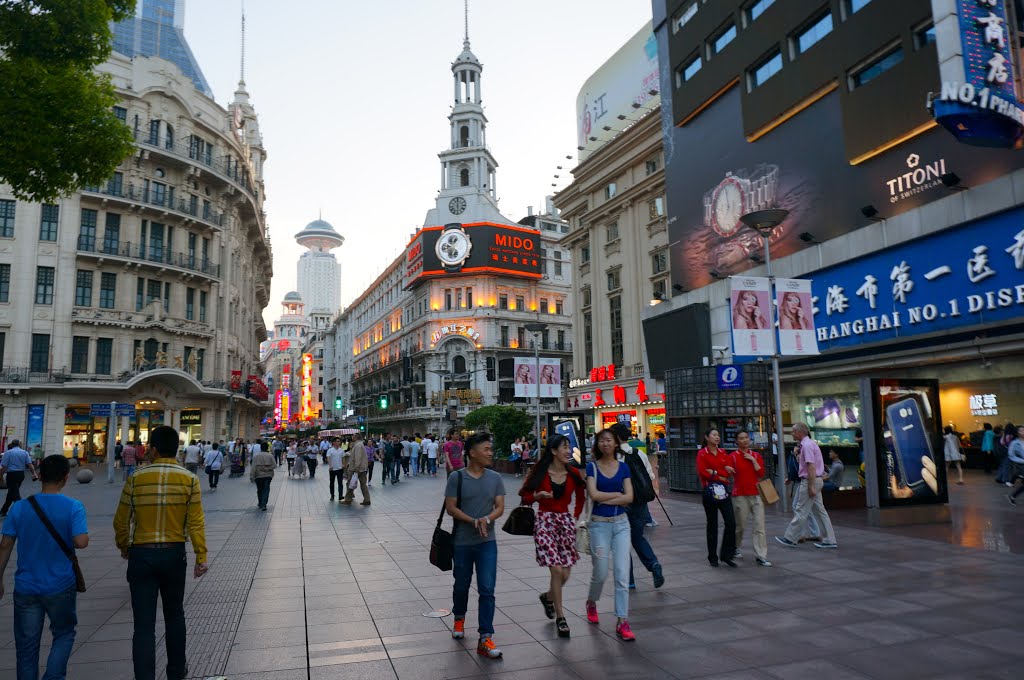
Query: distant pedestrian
193	454
38	454
1015	460
311	459
14	463
988	447
475	497
811	470
45	582
610	489
161	507
391	459
290	455
130	457
262	472
371	457
213	463
453	454
336	468
715	470
356	463
746	499
552	483
430	449
413	447
953	453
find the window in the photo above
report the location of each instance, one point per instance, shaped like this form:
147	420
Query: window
112	233
543	305
585	254
651	166
853	6
659	262
504	336
689	70
200	150
615	321
158	193
588	339
167	297
464	177
168	137
723	38
121	114
115	185
469	298
154	131
561	340
658	289
190	303
48	223
108	290
200	356
815	31
87	231
924	36
614	281
153	289
79	354
503	301
559	307
39	360
610	190
758	8
865	74
3	344
7	218
202	306
656	207
520	303
586	296
104	353
558	268
44	285
684	15
83	288
140	294
521	337
5	283
766	69
611	232
156	242
447	298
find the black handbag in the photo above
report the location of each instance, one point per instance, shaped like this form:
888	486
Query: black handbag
442	543
520	521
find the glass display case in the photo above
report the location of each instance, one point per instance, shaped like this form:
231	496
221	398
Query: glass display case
833	419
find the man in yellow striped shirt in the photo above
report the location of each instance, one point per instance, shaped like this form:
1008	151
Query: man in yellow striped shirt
161	508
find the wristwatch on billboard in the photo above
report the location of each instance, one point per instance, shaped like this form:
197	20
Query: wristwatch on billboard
738	194
453	247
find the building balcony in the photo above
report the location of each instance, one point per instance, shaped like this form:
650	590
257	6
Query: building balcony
142	319
156	256
27	375
158	201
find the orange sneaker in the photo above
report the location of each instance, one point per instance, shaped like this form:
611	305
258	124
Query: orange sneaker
486	647
459	631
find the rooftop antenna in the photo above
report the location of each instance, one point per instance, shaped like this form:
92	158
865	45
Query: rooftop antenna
241	78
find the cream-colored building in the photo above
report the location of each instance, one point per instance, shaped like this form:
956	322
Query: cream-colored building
148	290
618	237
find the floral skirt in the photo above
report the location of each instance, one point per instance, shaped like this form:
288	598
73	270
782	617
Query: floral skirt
555	536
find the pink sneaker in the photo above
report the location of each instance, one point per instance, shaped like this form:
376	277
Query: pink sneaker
623	631
592	612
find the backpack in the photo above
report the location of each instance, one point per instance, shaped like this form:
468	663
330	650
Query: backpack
643	488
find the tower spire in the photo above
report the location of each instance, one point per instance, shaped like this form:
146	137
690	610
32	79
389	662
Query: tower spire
241	77
465	40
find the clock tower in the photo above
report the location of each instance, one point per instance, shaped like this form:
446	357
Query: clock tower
468	170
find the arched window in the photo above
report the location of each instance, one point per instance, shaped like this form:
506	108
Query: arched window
169	137
459	364
464	136
464	177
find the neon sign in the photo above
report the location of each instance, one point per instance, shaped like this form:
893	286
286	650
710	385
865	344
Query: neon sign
454	329
306	382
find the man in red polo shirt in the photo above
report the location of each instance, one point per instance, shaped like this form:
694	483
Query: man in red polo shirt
746	499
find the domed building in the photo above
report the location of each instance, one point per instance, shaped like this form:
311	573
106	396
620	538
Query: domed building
319	270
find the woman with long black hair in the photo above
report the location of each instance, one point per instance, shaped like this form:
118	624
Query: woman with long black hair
551	483
715	469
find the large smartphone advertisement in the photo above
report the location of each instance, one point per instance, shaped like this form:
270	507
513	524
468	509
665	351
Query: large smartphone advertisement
910	467
570	425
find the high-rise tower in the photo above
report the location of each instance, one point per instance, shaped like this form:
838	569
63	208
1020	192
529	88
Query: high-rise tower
319	270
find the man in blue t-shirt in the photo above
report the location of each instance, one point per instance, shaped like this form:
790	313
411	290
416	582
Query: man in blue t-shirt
44	582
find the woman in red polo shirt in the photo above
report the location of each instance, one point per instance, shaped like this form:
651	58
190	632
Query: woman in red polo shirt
746	499
715	469
551	483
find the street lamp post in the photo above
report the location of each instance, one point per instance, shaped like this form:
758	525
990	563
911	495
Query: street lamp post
764	223
536	328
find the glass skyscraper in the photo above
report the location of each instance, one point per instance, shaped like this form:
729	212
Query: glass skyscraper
157	30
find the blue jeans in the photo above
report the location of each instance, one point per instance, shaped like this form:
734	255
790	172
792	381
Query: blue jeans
29	611
415	463
610	541
483	556
432	465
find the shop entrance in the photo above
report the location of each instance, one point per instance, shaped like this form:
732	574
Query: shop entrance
85	435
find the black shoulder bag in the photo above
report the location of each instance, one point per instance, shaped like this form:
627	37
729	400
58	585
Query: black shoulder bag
79	579
442	544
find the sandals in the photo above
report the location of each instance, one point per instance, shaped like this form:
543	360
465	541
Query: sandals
563	627
549	608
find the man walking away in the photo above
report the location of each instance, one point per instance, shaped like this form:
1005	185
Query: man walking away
130	457
336	467
637	510
812	469
192	454
14	463
430	450
356	464
390	460
475	497
278	449
311	459
261	472
161	505
213	463
44	583
413	448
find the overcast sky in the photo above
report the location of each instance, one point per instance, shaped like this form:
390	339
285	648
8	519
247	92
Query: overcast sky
353	99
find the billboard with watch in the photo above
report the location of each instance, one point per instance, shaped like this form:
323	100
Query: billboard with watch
476	248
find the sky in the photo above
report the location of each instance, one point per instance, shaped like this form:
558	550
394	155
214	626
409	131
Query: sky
353	99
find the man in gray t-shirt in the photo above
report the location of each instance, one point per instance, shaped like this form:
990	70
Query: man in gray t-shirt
482	502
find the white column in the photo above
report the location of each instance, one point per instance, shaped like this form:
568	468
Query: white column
455	83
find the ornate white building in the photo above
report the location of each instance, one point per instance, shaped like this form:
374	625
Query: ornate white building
148	290
319	272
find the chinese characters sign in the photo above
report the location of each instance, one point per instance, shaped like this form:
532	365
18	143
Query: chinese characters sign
984	33
954	279
306	382
984	405
454	329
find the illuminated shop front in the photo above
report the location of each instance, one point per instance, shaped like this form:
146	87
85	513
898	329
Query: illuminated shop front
610	397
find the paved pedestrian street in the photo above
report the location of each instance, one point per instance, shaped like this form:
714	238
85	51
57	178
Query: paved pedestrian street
313	589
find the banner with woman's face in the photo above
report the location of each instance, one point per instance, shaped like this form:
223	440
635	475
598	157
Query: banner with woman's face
752	328
796	317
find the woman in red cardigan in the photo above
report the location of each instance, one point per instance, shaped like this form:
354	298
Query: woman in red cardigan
550	483
715	469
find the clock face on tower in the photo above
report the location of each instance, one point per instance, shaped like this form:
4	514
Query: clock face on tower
453	247
457	205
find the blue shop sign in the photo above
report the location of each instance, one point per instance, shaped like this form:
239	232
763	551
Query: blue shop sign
968	275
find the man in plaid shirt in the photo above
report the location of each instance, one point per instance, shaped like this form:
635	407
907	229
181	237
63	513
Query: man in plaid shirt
160	509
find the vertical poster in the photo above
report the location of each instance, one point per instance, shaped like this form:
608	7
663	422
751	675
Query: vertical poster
752	332
525	376
550	380
796	317
34	429
570	425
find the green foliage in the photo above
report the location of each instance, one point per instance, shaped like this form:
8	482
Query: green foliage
504	422
59	131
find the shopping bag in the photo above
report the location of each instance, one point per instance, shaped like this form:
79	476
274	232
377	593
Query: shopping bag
768	493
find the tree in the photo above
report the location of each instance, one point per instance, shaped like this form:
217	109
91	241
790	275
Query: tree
60	133
504	422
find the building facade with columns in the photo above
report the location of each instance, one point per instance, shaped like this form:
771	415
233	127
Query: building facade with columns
148	290
438	333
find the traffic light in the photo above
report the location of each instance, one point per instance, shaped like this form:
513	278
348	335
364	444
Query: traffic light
383	401
490	369
362	428
337	403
